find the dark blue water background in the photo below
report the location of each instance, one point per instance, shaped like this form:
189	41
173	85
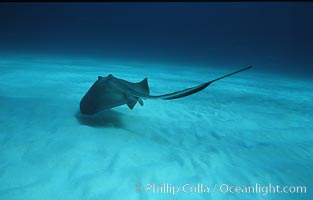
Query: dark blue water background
273	37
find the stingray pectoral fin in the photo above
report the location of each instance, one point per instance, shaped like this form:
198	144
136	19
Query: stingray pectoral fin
131	101
131	104
143	87
140	101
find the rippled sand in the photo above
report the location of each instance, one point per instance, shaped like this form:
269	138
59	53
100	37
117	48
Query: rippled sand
244	130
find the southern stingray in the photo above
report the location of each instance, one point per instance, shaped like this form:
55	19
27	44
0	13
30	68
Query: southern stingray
109	92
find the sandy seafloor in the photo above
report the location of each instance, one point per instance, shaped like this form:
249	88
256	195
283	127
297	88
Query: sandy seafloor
248	129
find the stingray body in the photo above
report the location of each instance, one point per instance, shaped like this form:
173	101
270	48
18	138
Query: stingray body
109	92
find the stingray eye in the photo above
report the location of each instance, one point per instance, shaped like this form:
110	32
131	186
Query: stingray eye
110	75
99	77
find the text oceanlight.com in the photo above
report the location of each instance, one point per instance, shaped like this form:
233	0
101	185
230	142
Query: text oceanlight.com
172	189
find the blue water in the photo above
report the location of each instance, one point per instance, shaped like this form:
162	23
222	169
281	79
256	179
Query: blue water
253	129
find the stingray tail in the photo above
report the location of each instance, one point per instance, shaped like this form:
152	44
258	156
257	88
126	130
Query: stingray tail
192	90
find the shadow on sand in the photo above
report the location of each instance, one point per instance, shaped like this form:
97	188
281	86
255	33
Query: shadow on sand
107	118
